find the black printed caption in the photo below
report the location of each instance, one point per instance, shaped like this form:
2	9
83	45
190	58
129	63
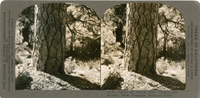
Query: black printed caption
192	68
8	51
138	94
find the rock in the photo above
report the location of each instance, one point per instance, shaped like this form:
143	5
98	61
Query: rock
118	54
104	73
18	59
69	65
106	60
23	81
18	69
113	82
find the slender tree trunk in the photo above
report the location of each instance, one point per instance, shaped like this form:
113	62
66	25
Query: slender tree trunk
119	33
72	41
50	34
140	51
164	46
72	45
34	35
127	30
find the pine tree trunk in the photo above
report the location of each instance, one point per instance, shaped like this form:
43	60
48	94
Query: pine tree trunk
140	50
50	38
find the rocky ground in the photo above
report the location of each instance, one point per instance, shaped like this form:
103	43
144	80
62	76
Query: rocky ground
85	76
171	75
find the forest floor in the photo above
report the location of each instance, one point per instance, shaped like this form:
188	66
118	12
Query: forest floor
171	75
45	81
86	76
82	78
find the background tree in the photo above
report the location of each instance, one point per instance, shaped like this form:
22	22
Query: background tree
26	21
112	29
140	47
115	18
83	32
171	33
24	34
120	12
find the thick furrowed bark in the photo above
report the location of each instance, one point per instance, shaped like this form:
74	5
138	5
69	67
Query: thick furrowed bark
140	55
50	44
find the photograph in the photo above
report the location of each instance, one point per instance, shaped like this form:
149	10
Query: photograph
133	46
99	49
143	47
57	47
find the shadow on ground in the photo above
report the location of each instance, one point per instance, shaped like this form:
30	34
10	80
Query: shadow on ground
78	82
168	82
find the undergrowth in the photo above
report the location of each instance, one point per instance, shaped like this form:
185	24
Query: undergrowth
170	68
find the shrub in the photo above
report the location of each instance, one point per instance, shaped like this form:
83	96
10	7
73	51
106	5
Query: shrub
107	60
171	68
175	50
85	48
90	49
113	82
23	81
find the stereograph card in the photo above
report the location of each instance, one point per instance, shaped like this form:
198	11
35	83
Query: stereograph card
99	49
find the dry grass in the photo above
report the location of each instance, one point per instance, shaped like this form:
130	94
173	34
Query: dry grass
89	70
89	65
171	74
172	69
85	70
